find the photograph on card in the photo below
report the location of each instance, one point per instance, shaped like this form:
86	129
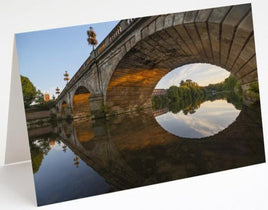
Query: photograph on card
123	104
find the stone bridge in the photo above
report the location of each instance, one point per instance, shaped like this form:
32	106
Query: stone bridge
121	74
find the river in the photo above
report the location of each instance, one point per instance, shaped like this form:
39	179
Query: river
85	158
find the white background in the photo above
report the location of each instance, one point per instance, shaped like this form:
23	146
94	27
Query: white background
245	188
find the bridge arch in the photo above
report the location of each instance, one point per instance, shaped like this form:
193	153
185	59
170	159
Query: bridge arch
221	36
64	109
80	102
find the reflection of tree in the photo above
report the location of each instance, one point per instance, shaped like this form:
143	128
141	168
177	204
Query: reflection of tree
159	102
37	157
39	148
186	106
190	106
189	95
67	129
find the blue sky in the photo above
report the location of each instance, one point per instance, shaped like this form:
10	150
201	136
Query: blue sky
45	55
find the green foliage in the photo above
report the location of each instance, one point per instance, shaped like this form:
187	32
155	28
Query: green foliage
254	92
254	87
189	95
46	105
39	98
53	119
230	83
28	90
235	99
159	102
177	98
37	157
172	93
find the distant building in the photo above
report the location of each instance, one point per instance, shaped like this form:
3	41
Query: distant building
159	92
46	97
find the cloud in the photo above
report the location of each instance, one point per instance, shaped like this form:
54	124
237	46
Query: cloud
208	120
203	74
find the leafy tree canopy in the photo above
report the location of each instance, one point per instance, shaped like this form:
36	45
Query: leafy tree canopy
39	98
28	90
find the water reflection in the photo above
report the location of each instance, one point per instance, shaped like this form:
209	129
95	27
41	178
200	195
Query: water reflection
210	118
91	158
60	175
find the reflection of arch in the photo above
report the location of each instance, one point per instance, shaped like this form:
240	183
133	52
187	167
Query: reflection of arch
84	131
221	36
64	109
66	130
152	155
81	106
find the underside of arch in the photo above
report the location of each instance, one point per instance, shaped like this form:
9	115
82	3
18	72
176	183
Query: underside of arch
222	36
64	109
81	106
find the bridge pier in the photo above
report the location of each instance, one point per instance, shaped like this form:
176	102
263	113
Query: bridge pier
96	105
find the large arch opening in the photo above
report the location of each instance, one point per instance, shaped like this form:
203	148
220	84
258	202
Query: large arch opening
81	106
221	36
197	100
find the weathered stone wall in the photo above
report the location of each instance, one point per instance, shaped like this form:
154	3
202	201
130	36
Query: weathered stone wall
35	115
221	36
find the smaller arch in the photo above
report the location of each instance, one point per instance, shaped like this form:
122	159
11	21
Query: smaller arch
83	130
64	109
81	106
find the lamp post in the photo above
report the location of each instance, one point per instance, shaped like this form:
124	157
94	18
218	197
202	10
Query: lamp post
66	77
92	38
57	91
93	41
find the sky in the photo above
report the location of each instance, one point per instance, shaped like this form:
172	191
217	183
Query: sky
201	73
204	122
44	56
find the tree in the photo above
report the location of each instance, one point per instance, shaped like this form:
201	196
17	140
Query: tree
230	83
172	93
39	98
182	83
28	90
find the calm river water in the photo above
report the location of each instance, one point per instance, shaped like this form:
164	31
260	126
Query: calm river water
209	119
84	158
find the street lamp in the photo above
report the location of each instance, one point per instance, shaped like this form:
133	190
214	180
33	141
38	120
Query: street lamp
93	41
92	37
66	77
57	91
